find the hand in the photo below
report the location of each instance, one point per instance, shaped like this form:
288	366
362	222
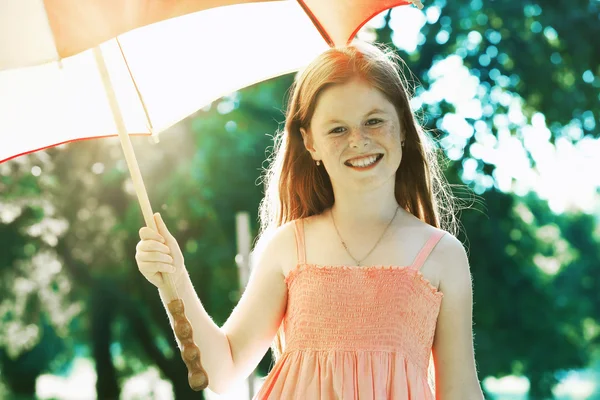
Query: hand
158	253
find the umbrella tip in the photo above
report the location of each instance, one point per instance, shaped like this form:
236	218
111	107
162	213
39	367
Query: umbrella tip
417	3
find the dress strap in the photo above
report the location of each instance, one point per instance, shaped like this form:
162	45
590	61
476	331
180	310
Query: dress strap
300	248
427	248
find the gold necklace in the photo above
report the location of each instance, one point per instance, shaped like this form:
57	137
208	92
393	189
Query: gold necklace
358	262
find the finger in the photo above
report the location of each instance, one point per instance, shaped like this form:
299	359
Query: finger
152	245
150	234
150	268
162	227
154	256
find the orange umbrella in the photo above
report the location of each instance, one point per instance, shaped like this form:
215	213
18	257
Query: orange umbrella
73	70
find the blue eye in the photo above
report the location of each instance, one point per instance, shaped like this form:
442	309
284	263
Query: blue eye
370	122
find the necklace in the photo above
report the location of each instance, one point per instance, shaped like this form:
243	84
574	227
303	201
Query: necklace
358	262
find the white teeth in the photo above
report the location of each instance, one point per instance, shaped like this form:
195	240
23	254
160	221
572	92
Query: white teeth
363	162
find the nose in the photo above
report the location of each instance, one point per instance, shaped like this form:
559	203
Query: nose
358	138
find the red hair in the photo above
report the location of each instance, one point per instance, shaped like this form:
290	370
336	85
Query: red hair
297	188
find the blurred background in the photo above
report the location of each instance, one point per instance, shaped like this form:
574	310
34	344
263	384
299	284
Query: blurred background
509	90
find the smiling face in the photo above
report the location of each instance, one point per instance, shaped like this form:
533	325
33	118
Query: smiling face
356	133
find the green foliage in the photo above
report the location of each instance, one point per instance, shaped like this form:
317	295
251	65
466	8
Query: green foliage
68	279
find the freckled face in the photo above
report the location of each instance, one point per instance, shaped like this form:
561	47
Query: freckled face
355	132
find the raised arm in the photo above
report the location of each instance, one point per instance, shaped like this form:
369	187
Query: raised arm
230	353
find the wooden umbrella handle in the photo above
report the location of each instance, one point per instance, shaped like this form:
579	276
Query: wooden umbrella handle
197	377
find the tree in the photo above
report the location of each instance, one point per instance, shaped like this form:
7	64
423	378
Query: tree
69	221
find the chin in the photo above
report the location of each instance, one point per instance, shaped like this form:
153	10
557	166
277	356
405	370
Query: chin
374	182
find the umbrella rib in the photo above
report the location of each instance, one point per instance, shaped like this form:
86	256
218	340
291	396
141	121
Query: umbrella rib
137	89
316	23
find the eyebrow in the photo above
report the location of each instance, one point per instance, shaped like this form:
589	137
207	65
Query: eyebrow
373	111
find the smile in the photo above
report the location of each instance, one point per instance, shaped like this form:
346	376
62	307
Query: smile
364	162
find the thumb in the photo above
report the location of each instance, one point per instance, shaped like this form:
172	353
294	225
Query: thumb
162	228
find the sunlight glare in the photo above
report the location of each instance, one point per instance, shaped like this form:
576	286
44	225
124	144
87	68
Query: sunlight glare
80	384
407	22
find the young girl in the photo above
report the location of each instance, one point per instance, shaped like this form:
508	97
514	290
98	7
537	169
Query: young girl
353	277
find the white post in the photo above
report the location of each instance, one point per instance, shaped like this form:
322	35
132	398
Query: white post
242	259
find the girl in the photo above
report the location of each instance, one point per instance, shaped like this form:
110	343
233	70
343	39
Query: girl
353	277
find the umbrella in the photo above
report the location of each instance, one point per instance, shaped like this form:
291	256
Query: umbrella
74	70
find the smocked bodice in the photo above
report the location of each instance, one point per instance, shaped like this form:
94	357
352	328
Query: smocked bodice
389	309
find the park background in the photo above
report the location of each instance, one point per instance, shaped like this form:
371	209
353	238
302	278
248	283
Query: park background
508	90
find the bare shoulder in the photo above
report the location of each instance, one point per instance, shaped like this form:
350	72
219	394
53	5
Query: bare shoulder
278	246
448	259
451	256
449	246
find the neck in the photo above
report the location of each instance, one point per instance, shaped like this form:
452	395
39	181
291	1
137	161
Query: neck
360	209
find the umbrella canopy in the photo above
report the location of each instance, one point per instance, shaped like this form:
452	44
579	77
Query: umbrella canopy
161	68
49	30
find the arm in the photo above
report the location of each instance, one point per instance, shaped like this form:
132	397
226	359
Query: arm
453	352
230	353
255	320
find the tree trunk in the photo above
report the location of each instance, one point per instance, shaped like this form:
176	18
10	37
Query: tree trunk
107	386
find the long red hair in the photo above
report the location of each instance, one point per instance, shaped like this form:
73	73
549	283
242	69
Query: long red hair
295	187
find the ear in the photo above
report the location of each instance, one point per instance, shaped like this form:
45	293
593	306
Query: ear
402	132
308	142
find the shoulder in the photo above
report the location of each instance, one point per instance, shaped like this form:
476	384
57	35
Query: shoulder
273	239
448	259
451	254
447	248
449	245
277	245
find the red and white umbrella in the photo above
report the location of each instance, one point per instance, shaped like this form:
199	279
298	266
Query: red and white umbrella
81	69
